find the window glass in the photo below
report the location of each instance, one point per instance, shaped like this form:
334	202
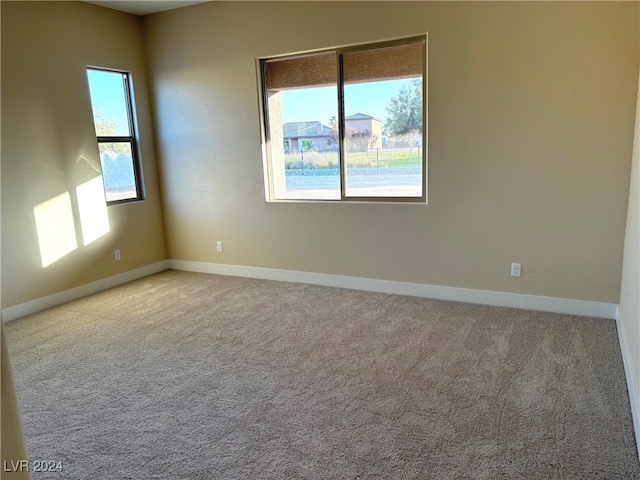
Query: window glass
117	171
302	108
383	154
108	98
347	124
113	122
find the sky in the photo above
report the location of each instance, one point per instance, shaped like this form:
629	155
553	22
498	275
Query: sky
298	105
320	103
107	98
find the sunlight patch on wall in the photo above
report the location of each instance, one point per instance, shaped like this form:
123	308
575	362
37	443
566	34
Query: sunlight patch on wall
94	218
56	229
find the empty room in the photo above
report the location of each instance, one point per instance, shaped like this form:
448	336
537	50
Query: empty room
310	240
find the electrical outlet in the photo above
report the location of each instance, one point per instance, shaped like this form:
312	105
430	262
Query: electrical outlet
116	254
219	246
516	268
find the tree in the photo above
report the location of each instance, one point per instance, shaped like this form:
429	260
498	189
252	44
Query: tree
405	111
360	140
307	144
106	127
333	125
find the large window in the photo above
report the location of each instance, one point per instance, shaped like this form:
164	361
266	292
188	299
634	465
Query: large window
347	124
114	123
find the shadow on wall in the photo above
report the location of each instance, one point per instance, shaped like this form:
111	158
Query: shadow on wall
56	225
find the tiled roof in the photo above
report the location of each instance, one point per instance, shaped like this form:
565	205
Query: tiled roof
305	129
316	128
361	116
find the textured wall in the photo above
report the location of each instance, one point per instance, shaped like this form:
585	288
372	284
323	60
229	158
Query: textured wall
531	111
12	447
49	147
630	288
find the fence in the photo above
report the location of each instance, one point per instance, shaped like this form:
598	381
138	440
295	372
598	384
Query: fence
378	158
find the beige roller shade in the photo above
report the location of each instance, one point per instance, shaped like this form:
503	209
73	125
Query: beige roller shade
388	63
370	64
308	71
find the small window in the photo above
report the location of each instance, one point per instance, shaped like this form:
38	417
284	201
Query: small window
115	130
347	124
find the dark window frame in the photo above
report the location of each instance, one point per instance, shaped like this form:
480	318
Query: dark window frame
132	139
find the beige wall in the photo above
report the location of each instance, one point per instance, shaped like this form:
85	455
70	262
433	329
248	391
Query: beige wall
12	447
530	132
630	288
531	111
49	146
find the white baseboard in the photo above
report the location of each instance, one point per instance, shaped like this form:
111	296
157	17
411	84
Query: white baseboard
501	299
33	306
633	398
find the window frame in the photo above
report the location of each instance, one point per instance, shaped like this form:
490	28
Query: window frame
132	140
261	67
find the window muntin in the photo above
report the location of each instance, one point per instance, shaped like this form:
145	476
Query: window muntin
322	143
115	132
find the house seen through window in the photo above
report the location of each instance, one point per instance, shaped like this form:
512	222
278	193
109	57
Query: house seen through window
115	131
347	124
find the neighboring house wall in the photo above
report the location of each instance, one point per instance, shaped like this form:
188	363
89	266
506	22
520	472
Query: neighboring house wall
359	125
530	139
314	131
371	126
376	133
319	143
49	146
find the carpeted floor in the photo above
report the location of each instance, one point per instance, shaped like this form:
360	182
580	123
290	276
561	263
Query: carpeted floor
195	376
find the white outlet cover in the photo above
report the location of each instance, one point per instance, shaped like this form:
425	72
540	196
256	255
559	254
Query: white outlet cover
516	268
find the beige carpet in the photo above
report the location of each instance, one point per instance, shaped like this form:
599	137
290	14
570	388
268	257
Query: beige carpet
194	376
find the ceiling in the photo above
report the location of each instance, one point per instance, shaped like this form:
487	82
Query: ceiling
144	7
